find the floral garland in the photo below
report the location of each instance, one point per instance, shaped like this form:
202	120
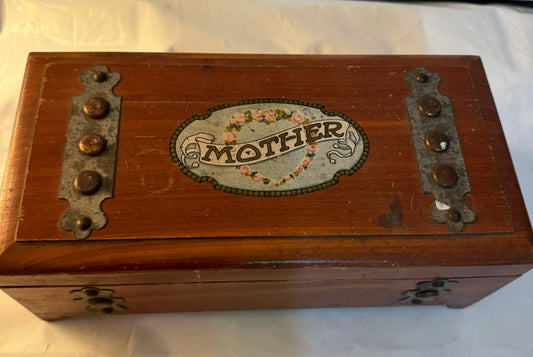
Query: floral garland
269	117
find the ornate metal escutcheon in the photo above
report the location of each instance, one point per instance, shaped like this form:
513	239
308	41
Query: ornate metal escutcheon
438	149
427	291
99	299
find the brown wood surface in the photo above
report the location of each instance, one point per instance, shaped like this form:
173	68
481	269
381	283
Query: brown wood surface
267	274
153	199
335	227
58	302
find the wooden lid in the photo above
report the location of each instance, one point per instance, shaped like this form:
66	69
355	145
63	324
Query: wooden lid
153	198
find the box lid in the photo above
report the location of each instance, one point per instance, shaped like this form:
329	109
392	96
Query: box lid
376	190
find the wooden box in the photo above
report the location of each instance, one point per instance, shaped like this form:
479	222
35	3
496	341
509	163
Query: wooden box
145	183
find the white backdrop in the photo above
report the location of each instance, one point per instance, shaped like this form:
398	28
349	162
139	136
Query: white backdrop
499	325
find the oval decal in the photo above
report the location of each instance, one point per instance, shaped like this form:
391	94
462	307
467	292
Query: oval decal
269	147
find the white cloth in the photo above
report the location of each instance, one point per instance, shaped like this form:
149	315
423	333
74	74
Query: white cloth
499	325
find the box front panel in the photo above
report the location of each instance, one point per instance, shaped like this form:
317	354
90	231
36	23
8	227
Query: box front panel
64	301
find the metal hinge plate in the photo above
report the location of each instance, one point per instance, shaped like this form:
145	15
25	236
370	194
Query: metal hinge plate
88	173
427	291
438	149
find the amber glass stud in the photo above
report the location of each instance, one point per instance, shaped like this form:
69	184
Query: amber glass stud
99	76
84	223
429	106
445	176
437	141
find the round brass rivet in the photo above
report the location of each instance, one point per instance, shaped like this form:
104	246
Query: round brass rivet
445	176
454	215
99	76
88	182
437	141
427	294
84	223
92	144
422	78
96	107
429	106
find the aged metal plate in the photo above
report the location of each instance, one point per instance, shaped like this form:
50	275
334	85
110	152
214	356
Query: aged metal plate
438	149
427	291
101	300
88	172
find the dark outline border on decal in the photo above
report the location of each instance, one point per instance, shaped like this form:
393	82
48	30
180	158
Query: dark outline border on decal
238	191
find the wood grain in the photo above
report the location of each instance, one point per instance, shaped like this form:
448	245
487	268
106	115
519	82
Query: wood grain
19	153
167	229
58	302
153	199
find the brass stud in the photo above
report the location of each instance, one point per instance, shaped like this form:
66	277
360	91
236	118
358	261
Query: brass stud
96	107
422	78
437	141
454	215
99	76
445	176
429	106
84	223
88	182
92	144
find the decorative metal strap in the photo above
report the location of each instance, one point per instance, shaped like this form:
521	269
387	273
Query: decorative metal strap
99	299
89	158
427	291
438	150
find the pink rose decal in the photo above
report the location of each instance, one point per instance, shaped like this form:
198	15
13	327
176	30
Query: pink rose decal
311	149
244	170
270	116
298	118
256	115
238	119
229	136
